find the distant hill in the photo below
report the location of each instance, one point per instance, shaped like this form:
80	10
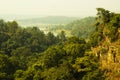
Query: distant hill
81	28
47	20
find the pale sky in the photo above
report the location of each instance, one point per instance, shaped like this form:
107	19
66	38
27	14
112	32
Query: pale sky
57	7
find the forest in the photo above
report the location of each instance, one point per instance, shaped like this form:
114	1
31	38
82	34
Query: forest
30	54
81	28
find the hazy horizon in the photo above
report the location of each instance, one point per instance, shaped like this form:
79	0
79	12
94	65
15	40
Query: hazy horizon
18	9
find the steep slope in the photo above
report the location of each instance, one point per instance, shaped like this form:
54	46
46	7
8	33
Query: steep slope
106	43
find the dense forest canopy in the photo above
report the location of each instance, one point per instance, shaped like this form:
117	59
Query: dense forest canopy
29	54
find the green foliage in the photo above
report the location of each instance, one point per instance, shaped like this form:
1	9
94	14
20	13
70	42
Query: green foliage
87	67
18	75
103	15
29	54
62	36
94	75
75	50
51	39
96	38
107	25
6	68
52	57
80	28
3	26
3	37
64	72
76	40
83	28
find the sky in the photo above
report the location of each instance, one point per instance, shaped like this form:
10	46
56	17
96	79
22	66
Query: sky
72	8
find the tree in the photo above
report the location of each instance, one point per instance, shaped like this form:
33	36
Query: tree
3	38
37	40
88	67
63	72
12	26
3	26
75	50
6	68
50	39
103	15
62	36
75	40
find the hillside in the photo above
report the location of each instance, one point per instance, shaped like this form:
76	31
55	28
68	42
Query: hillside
47	20
106	43
30	54
81	28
